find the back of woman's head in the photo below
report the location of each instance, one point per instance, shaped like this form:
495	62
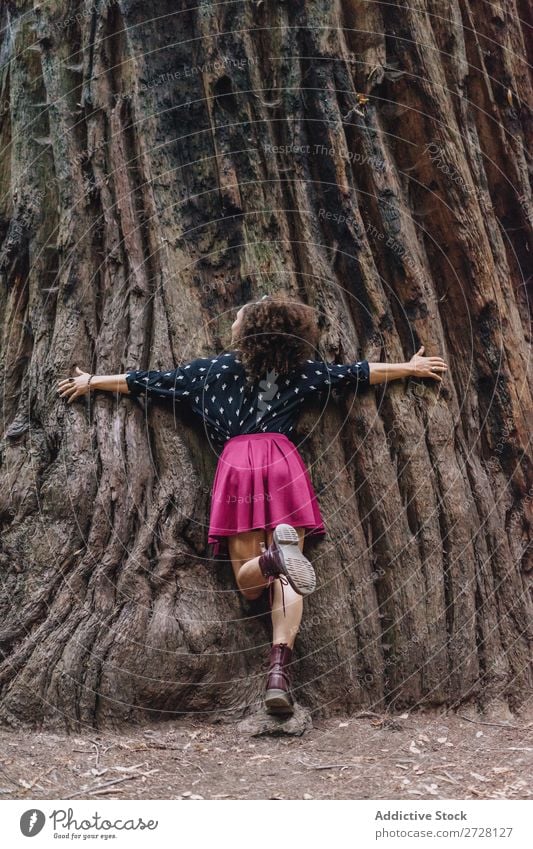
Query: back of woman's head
276	333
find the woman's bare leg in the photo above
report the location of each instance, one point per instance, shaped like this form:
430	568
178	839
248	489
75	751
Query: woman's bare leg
285	627
244	550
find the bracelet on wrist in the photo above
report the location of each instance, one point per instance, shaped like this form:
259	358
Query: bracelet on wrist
89	381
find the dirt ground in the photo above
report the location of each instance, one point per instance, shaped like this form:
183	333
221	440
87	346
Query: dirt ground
422	755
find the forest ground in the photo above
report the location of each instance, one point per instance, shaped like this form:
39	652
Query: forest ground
428	754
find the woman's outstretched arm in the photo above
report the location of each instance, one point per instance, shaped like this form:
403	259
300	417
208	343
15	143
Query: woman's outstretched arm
418	366
74	387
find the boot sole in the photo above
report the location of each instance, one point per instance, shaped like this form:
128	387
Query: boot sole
296	566
277	701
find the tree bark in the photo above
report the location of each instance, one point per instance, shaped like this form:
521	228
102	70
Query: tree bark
161	162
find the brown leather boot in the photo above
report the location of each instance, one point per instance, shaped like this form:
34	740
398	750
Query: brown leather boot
283	559
278	697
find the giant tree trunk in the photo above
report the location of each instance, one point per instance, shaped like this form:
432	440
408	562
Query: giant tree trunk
161	161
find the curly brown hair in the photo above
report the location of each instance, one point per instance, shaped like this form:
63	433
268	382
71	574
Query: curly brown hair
277	333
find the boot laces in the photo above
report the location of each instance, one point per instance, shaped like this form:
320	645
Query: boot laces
283	581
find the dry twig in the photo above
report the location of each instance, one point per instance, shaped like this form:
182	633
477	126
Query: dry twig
99	787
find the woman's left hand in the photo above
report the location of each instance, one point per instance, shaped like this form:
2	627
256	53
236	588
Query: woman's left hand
74	387
427	366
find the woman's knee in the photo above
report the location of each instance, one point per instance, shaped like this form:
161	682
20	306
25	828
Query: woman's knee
243	581
251	593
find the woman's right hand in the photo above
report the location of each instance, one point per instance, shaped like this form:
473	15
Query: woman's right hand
74	387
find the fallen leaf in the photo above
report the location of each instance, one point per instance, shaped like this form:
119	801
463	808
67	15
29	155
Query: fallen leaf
431	788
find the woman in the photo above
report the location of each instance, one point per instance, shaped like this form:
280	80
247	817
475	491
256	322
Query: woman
249	400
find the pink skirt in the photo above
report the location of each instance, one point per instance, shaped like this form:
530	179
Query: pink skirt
260	482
